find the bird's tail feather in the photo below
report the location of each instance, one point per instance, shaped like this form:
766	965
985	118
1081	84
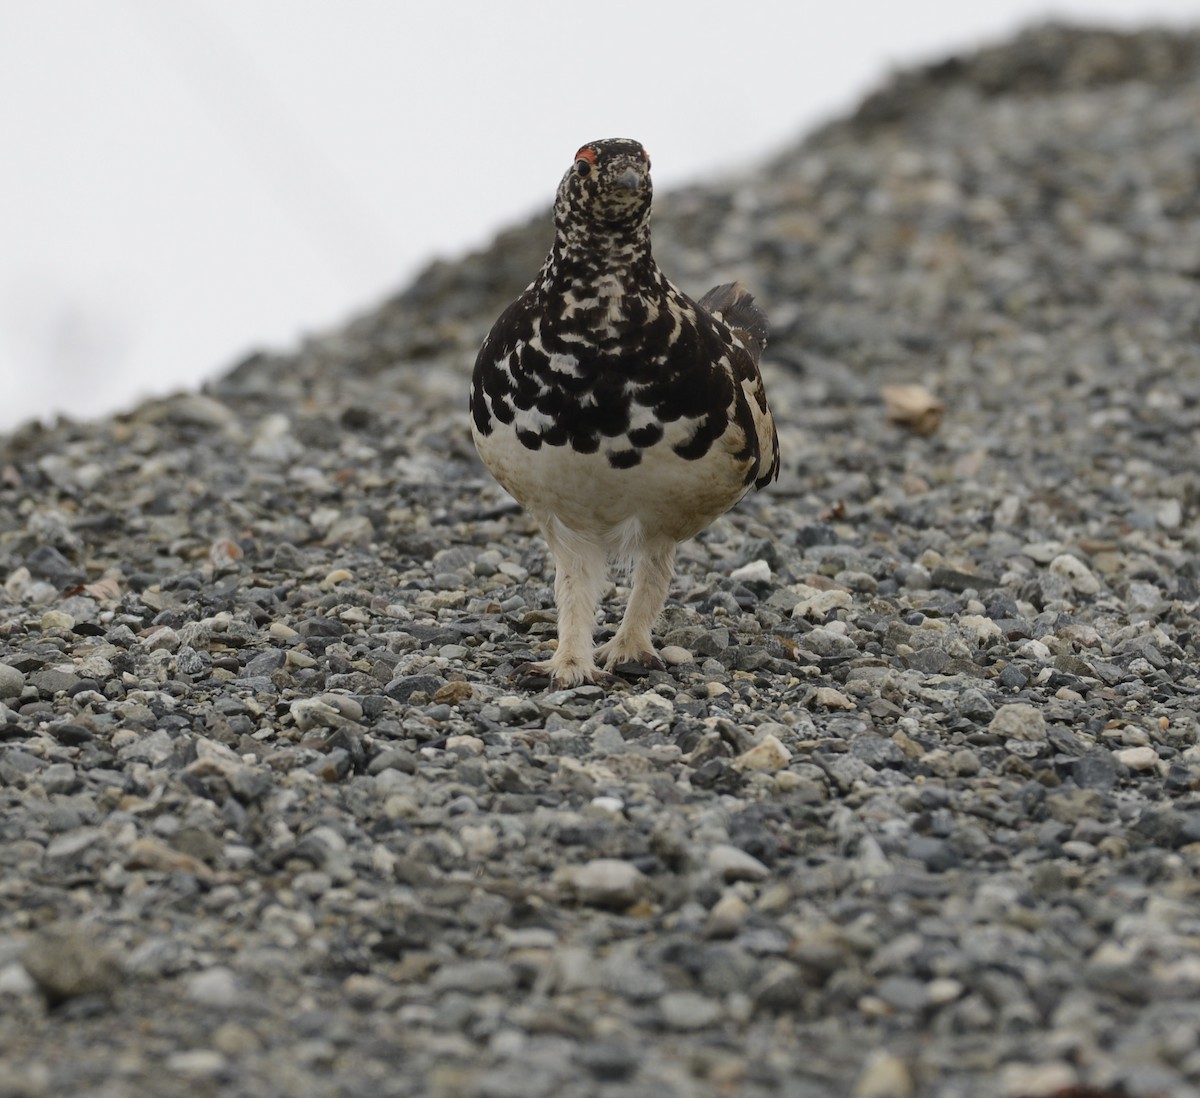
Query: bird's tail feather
734	304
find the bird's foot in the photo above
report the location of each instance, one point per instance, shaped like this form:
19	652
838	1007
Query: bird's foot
563	676
612	654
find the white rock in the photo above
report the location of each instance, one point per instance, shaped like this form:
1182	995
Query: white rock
757	571
12	681
479	841
607	882
943	989
1018	721
828	698
163	639
316	713
1043	551
885	1076
816	606
673	655
1144	595
1076	573
1037	1080
15	980
273	439
17	582
688	1010
197	1062
982	630
607	806
53	620
650	707
727	916
768	754
731	863
214	987
1034	650
1169	514
1138	758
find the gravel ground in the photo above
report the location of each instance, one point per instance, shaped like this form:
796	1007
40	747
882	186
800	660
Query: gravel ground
916	808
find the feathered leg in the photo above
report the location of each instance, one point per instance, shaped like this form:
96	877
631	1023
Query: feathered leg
580	566
652	572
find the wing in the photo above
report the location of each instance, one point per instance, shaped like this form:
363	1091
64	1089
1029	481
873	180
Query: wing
732	306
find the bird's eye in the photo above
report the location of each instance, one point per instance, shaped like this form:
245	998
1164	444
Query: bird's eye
585	160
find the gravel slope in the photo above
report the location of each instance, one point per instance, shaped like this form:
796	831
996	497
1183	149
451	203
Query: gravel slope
915	813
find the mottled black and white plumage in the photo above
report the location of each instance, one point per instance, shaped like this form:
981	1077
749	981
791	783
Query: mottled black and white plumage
623	415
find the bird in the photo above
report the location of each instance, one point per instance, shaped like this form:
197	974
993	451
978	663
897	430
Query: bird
622	415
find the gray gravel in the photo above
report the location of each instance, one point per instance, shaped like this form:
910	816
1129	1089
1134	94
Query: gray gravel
914	810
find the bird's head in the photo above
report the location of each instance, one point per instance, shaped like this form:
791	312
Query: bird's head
607	187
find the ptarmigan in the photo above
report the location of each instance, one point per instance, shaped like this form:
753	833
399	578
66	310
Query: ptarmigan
623	415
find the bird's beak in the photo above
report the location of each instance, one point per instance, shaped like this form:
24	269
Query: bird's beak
630	179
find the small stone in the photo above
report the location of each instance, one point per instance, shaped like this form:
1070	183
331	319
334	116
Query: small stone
1076	573
1018	721
1013	677
903	993
235	1040
942	990
453	693
757	571
161	639
474	977
350	530
828	643
937	855
613	807
673	655
155	855
965	762
826	697
727	917
1095	772
479	842
1037	1080
12	682
66	961
689	1010
73	843
817	606
768	754
783	989
607	882
731	863
215	987
54	680
609	1061
885	1076
309	713
56	621
650	707
1139	759
197	1063
1069	806
983	631
14	981
1034	650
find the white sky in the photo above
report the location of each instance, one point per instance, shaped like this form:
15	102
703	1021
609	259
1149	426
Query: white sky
186	180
